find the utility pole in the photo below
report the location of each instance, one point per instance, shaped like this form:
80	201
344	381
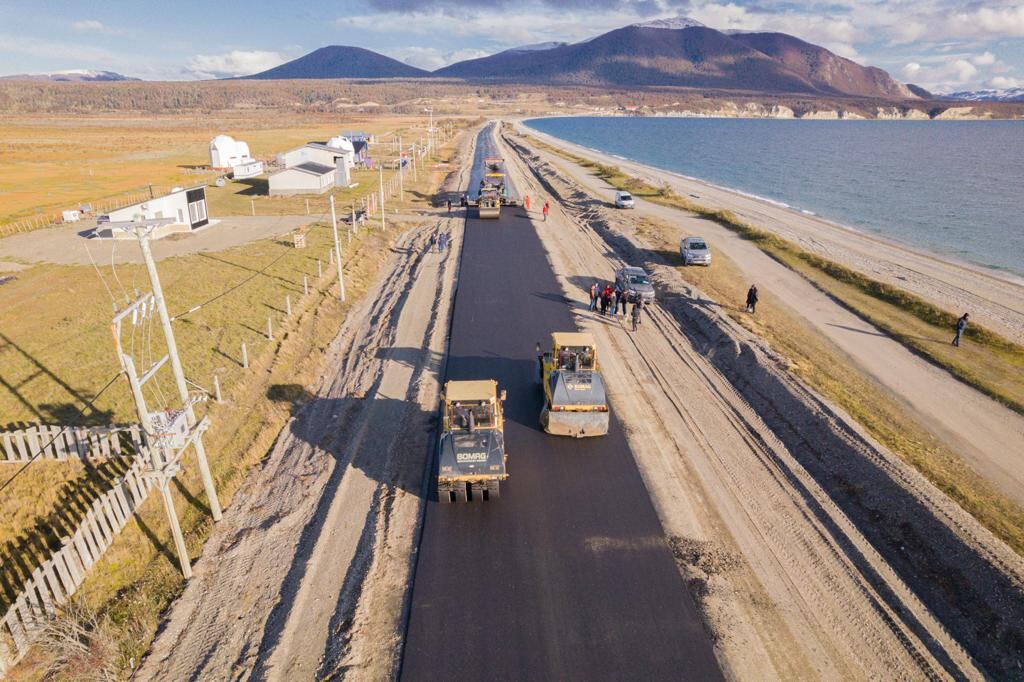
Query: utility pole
401	171
142	231
381	169
168	434
337	250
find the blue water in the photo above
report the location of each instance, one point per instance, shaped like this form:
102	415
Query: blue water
952	187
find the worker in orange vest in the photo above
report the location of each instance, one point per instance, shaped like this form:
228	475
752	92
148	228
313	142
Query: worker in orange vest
546	211
526	202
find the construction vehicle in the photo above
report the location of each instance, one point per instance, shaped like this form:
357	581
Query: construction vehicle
575	402
472	461
493	192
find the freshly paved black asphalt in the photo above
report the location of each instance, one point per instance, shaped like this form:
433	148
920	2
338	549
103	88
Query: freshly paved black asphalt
568	575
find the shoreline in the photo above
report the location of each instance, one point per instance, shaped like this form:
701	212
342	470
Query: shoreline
995	299
994	272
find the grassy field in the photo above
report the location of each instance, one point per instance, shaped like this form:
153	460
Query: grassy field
57	351
51	163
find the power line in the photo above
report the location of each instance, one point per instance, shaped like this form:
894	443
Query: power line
88	405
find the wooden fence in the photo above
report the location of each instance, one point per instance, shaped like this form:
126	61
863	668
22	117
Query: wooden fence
42	220
57	579
61	443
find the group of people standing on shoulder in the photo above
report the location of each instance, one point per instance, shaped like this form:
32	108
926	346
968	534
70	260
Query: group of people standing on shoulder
609	300
440	240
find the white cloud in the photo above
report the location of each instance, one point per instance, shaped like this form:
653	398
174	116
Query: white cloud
234	63
87	25
985	59
430	58
1005	83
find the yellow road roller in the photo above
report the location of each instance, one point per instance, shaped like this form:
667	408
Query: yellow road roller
575	401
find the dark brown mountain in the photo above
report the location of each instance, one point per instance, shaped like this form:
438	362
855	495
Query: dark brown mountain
641	56
340	61
694	56
827	71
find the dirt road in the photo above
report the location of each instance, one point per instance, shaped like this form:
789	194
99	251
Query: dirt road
983	432
814	551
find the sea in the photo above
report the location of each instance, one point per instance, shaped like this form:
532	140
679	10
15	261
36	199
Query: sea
955	188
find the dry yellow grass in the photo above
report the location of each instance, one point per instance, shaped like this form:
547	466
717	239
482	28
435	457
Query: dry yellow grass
48	164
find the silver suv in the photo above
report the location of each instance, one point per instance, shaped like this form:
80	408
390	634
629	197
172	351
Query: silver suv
694	251
636	284
623	200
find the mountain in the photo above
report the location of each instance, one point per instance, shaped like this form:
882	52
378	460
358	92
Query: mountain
1009	95
75	75
919	91
658	54
827	71
340	61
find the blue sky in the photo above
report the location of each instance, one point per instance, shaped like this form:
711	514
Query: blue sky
940	44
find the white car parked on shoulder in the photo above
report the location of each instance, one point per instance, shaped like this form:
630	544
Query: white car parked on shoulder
623	200
694	251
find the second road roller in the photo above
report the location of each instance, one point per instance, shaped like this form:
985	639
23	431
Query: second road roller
575	401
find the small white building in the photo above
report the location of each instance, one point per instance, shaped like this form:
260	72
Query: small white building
186	207
305	178
330	162
227	152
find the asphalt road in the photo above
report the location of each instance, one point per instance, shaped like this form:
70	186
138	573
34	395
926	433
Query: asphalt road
568	575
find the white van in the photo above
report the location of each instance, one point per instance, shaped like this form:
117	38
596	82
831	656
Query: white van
623	200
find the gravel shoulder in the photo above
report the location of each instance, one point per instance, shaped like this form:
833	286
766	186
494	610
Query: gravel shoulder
813	551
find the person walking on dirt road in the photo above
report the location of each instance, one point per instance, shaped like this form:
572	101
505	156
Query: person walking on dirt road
433	240
526	202
638	308
546	209
449	207
604	302
752	299
594	289
961	325
623	300
442	242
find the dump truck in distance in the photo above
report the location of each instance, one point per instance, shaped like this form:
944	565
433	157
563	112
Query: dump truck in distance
472	461
575	401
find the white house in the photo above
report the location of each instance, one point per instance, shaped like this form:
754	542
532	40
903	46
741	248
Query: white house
186	207
308	177
337	155
227	152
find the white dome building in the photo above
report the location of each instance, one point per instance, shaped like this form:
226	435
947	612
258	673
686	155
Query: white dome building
344	145
227	152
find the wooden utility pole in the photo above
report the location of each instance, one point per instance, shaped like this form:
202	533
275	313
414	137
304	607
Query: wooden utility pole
337	251
142	232
381	169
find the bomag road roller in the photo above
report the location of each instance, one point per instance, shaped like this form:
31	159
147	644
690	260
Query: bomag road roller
488	204
575	402
471	458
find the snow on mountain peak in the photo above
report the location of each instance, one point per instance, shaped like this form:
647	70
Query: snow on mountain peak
671	23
